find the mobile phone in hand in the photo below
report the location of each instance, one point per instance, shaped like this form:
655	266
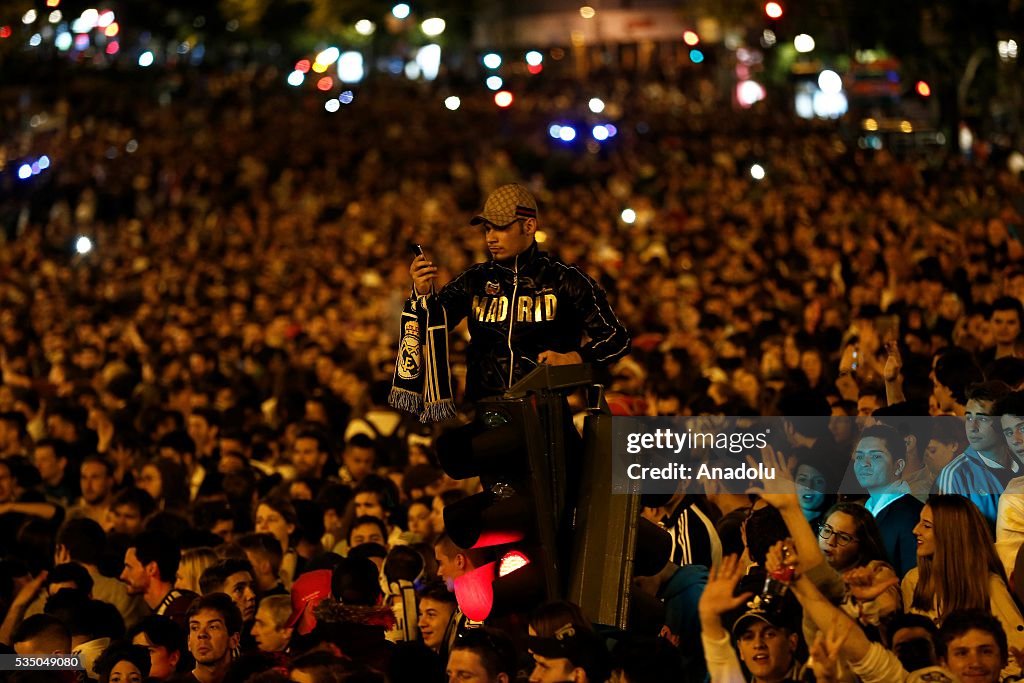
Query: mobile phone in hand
416	249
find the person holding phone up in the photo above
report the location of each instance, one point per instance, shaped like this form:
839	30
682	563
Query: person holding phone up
524	306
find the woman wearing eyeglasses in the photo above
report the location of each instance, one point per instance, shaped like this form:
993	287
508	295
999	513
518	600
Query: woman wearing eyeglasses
849	537
957	568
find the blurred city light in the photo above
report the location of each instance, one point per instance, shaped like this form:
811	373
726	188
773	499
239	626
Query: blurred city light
773	10
350	67
492	60
923	89
112	30
44	162
400	11
365	27
906	127
503	99
830	82
757	172
691	38
587	12
83	245
534	69
325	83
346	97
5	31
600	133
113	47
52	3
296	78
25	171
302	66
452	102
612	130
768	37
803	43
105	19
628	216
555	130
534	58
319	67
55	16
567	134
1007	50
749	93
81	42
36	40
494	82
332	105
596	105
428	58
329	56
433	26
696	56
63	41
146	59
29	17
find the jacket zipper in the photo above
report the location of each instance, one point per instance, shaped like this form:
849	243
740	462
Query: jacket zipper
511	320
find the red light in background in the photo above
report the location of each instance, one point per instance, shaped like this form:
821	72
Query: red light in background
325	83
923	89
489	539
474	592
5	31
773	10
691	38
512	561
113	47
302	65
535	68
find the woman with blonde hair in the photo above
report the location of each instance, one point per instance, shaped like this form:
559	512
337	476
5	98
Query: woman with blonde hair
194	562
957	567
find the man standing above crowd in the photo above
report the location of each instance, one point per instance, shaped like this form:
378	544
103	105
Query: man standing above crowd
524	307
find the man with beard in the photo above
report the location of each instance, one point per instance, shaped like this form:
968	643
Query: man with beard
96	478
150	566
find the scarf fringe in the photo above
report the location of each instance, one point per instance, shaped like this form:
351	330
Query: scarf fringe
406	400
439	411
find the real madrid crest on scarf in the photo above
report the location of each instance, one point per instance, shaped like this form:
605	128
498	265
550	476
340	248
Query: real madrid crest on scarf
422	380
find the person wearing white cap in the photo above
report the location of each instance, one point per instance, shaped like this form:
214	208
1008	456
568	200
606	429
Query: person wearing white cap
524	307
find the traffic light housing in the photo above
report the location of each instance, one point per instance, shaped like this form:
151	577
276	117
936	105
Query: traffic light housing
509	529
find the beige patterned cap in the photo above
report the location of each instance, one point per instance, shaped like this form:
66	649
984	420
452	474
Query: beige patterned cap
507	204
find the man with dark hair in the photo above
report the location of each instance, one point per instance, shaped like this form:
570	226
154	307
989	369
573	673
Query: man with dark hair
311	453
203	425
982	472
83	541
265	556
437	612
96	479
483	654
235	578
913	638
165	641
367	529
357	460
972	644
50	456
12	433
524	307
1010	517
42	634
150	566
129	509
214	631
879	463
1005	319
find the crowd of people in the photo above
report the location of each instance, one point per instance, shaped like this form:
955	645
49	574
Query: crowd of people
201	479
